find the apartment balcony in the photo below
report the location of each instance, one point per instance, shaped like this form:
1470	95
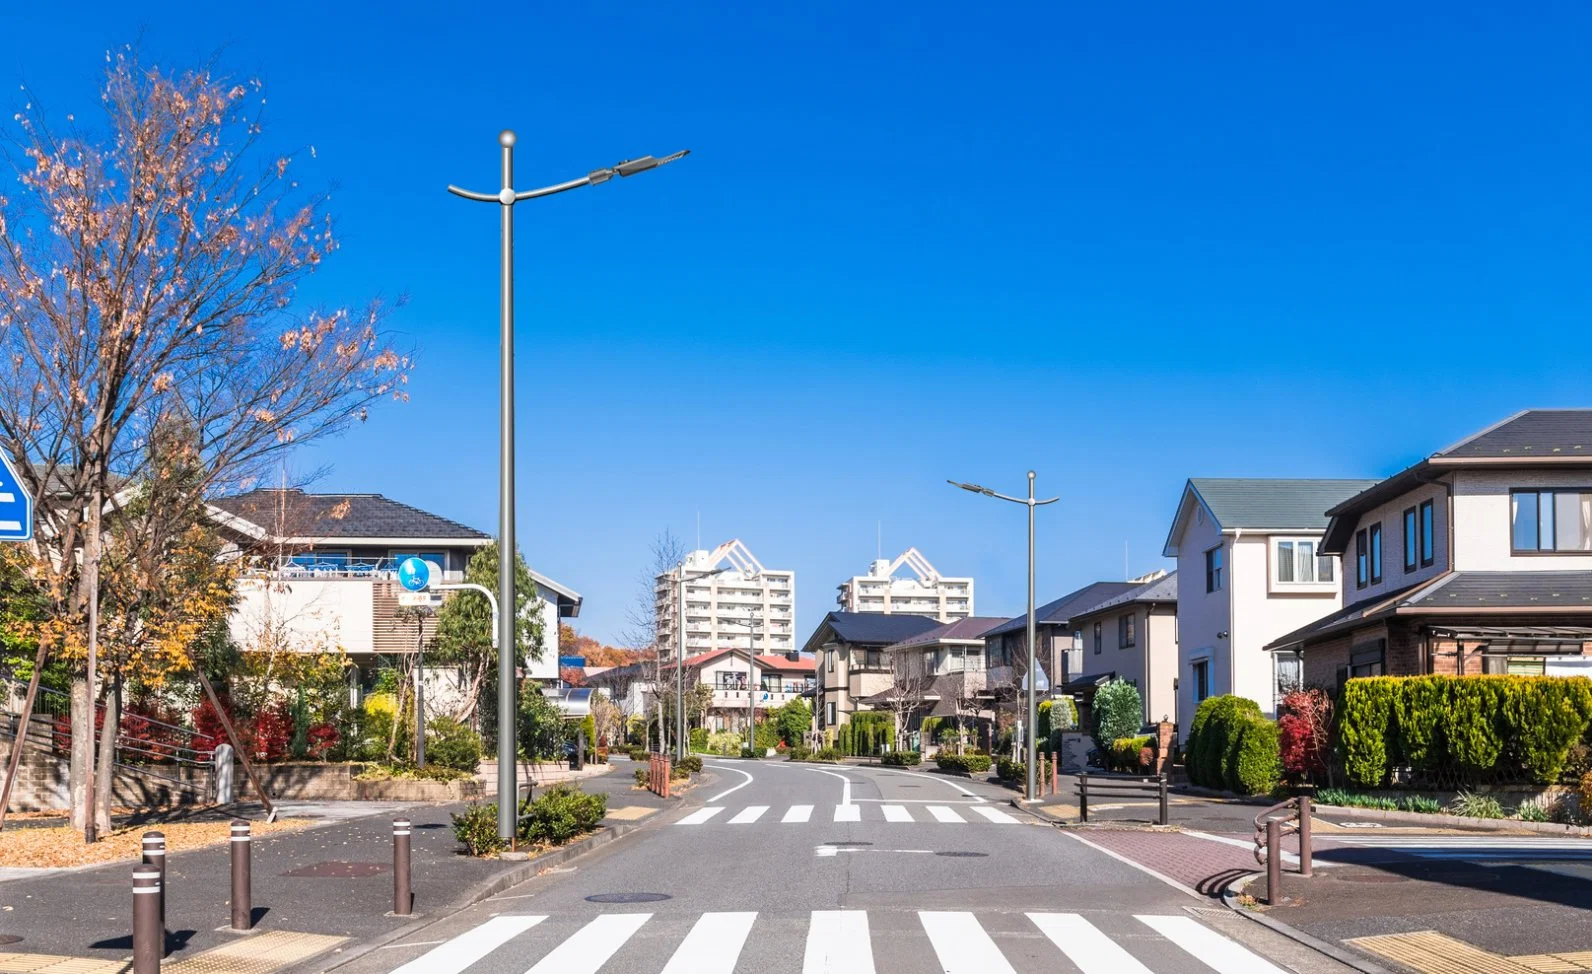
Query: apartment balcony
777	695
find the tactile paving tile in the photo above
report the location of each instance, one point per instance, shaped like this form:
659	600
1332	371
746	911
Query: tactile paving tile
629	813
1431	952
60	964
1572	962
259	953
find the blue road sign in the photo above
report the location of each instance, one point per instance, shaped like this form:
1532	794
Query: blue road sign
16	505
414	574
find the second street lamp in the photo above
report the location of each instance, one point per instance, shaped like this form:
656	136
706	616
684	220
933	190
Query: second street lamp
1030	754
508	646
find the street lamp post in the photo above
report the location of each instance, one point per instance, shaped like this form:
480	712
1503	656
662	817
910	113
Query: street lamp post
508	792
752	627
1030	755
680	745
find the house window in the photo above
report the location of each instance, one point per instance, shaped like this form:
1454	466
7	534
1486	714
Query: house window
1428	535
873	659
1097	628
1411	552
1368	659
1297	561
1362	567
829	661
829	715
1290	673
1213	569
1551	520
1202	679
1125	634
435	557
1376	553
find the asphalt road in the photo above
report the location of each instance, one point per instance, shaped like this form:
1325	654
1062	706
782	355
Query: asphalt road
805	868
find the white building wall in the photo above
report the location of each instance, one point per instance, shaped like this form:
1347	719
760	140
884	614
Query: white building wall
1482	529
304	615
1200	616
546	610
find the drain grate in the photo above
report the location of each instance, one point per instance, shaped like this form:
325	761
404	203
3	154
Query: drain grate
9	938
340	870
963	855
628	897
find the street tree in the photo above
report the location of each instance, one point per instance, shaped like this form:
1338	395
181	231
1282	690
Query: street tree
464	633
149	271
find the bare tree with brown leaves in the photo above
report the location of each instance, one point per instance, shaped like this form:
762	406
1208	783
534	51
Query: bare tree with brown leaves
148	277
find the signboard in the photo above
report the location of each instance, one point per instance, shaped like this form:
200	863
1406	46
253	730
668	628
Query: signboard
419	599
16	505
414	574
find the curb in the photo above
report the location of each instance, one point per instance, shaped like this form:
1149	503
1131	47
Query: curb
1456	821
512	876
1339	954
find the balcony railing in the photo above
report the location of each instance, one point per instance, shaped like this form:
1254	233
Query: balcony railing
305	566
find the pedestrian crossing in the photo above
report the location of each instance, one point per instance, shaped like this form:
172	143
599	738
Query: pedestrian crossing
887	812
1474	847
844	942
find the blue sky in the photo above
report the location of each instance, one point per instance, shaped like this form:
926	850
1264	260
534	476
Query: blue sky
1122	247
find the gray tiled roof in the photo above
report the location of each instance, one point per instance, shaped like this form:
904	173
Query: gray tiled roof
1062	610
1529	433
1163	589
1289	505
971	628
870	628
296	514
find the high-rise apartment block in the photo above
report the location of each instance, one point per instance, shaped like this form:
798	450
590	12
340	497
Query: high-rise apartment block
731	600
927	594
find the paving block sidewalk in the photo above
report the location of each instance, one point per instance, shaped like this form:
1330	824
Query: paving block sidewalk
1203	865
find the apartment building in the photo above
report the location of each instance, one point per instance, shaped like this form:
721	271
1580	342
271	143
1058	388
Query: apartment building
1477	559
925	592
731	601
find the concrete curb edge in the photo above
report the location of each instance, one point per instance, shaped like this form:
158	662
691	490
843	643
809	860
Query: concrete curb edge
1418	819
1230	900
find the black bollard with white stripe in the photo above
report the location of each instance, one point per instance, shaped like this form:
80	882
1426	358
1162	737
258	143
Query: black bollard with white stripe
402	898
149	940
242	899
155	855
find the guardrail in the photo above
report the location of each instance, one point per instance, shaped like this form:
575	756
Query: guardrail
1120	785
1291	816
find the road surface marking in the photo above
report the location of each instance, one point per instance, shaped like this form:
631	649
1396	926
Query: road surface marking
701	815
848	813
737	787
1083	943
749	814
713	944
944	814
845	790
798	813
1209	946
472	945
838	943
995	815
962	945
592	945
896	813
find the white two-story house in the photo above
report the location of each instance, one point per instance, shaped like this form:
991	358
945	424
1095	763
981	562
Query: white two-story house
1477	559
1249	568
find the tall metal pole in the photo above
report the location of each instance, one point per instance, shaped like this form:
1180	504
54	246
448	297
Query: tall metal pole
90	825
508	646
679	679
1033	676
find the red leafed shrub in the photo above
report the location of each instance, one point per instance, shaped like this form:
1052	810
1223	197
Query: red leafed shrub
271	732
323	737
1304	725
146	734
207	722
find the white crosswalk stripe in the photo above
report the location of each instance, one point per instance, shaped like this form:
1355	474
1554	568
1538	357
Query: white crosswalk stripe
848	813
713	944
841	942
700	815
943	813
591	945
749	814
1473	847
994	815
798	813
455	955
892	812
896	813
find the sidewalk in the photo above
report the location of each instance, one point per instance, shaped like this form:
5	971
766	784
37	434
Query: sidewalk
333	880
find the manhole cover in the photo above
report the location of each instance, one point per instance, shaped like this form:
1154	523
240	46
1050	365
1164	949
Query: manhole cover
340	870
909	786
1371	878
9	939
963	855
846	842
627	897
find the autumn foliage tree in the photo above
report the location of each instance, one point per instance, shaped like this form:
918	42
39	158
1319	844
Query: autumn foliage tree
149	268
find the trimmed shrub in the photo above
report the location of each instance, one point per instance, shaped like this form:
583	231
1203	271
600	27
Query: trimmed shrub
476	829
831	754
1365	729
1008	770
643	777
690	763
726	742
799	752
699	738
965	763
1257	764
901	759
1118	712
1213	738
1126	752
866	733
640	754
561	814
452	744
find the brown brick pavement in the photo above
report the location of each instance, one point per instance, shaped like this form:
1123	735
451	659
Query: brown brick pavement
1200	864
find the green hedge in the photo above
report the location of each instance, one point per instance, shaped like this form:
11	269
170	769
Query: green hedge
1257	762
1462	730
1213	738
965	763
1008	770
866	733
691	763
1125	752
901	759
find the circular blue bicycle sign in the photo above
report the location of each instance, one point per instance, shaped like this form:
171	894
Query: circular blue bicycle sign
414	574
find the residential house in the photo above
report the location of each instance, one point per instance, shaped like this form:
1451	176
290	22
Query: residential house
1131	636
320	575
1056	641
1251	568
925	593
940	672
1477	559
740	683
849	650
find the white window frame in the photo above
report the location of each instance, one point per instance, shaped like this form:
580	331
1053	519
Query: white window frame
1274	565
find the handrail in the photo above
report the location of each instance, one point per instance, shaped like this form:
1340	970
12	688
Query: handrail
1294	820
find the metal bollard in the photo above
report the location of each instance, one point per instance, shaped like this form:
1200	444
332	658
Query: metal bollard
1304	835
149	940
1055	774
667	769
1083	796
1165	818
242	901
155	855
402	899
1273	861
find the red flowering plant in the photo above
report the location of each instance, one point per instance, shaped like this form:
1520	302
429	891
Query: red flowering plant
1304	725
